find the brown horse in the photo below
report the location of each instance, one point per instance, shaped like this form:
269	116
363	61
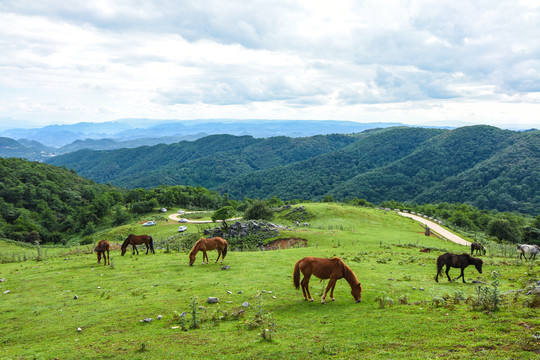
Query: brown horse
478	247
138	240
457	261
333	269
204	245
101	248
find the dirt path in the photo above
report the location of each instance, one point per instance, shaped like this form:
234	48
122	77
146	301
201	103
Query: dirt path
437	229
176	217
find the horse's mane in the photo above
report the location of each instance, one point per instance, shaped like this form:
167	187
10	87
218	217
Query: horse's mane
125	243
195	245
348	274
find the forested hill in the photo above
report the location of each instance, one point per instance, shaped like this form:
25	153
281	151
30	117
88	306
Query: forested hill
480	165
208	162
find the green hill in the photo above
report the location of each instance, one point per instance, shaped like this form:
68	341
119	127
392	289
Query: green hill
481	165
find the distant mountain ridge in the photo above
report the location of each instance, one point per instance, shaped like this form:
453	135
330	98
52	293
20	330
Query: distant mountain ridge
480	165
174	130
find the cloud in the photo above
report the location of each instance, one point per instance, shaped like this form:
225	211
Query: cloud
71	60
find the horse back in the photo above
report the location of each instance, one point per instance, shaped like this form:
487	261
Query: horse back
321	267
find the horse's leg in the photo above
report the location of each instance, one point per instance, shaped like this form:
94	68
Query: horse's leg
204	256
331	285
305	287
439	269
218	255
108	258
147	248
447	270
462	274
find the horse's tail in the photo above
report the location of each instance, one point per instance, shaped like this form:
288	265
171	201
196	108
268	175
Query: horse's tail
224	253
152	245
296	275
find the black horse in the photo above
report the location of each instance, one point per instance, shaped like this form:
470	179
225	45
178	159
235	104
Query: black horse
457	261
478	247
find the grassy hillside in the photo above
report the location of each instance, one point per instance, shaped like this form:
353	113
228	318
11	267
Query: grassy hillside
404	313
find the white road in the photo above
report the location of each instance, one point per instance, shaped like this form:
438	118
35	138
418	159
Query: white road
437	229
176	217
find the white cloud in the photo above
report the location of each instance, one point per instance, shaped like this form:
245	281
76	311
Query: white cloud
412	62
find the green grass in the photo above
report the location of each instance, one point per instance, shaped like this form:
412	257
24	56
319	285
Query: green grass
40	316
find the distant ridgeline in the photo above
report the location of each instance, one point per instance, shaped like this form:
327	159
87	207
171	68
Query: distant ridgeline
483	166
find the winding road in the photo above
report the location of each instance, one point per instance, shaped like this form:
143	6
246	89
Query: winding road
436	228
176	217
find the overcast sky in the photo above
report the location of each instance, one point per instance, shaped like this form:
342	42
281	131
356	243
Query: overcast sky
416	62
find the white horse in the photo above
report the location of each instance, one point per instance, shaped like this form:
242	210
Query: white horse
531	249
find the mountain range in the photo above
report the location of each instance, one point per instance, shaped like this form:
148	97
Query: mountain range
481	165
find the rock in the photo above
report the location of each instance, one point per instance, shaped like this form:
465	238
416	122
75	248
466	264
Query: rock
239	292
273	297
245	304
7	292
534	291
148	319
159	317
421	289
212	300
79	329
2	280
229	292
226	267
75	297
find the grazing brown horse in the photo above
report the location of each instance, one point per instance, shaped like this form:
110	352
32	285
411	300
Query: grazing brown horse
478	247
101	248
457	261
204	244
333	269
138	240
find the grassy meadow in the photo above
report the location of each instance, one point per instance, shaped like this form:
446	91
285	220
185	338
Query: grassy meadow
404	313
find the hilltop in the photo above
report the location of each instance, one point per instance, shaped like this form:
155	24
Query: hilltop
480	165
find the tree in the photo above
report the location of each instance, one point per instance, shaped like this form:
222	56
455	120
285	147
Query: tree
502	230
259	211
223	214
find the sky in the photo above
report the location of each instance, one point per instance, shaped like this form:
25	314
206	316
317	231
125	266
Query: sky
444	63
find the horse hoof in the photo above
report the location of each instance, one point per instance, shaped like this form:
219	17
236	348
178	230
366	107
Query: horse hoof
322	302
311	300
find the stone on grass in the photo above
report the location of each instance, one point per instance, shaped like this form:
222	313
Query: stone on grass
226	267
75	297
239	292
148	319
79	329
245	304
212	300
159	317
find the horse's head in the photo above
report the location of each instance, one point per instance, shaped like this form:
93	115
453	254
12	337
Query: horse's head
478	264
356	292
125	245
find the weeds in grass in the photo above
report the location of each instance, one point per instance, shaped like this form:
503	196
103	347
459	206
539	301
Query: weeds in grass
142	348
488	297
194	307
262	319
384	300
181	318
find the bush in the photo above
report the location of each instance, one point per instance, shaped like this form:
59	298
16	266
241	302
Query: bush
259	211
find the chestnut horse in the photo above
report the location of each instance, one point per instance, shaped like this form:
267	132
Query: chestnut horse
138	240
101	248
212	243
457	261
333	269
